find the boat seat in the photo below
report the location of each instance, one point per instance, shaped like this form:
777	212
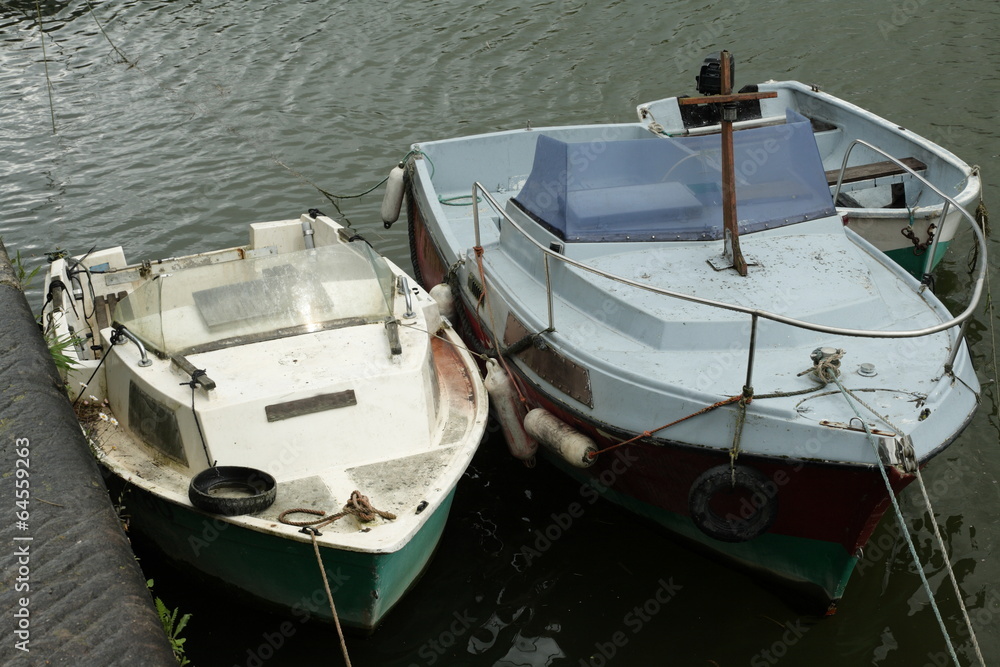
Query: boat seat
864	172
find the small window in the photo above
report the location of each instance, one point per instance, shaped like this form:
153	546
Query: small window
155	424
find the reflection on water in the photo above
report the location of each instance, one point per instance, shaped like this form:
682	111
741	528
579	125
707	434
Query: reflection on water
228	113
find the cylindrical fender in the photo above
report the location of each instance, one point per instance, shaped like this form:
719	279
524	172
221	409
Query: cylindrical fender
445	300
509	412
392	201
574	447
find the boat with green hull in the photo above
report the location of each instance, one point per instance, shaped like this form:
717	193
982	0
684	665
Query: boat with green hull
881	194
365	585
285	411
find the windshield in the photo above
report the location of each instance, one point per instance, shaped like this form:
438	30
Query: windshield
670	189
270	296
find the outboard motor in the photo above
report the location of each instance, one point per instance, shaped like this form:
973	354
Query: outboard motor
709	81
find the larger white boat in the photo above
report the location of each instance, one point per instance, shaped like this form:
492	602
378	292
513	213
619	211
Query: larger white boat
768	418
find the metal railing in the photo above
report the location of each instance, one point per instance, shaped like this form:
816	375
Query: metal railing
755	313
948	201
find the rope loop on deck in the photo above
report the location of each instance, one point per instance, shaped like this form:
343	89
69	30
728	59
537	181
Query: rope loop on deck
358	505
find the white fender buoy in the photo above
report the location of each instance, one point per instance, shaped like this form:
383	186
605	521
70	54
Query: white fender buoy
445	299
393	198
574	447
509	412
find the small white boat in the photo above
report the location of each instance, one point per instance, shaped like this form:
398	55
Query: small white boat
299	372
882	197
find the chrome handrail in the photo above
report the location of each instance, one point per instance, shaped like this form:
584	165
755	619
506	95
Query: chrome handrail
478	188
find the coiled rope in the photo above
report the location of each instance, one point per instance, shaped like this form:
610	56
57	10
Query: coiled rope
848	395
358	505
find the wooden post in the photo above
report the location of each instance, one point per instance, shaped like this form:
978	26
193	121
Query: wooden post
731	230
727	102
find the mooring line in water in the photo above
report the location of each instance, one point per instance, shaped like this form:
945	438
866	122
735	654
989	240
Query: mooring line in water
363	510
983	220
329	594
101	28
45	61
906	532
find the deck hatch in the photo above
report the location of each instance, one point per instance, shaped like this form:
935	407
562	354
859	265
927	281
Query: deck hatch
307	406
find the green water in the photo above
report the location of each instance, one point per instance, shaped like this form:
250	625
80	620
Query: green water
216	114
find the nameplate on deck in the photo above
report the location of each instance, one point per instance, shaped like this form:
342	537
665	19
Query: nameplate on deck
307	406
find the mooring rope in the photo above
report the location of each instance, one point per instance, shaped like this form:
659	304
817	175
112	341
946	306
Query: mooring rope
906	533
481	357
983	220
485	296
362	509
329	594
741	416
358	505
45	60
647	434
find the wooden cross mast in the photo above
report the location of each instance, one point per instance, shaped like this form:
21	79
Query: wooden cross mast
728	101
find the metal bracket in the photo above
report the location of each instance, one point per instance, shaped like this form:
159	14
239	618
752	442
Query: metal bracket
898	451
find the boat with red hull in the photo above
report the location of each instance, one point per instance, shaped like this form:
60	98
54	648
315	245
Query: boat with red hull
765	417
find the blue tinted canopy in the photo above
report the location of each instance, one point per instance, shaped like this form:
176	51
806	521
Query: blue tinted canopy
663	189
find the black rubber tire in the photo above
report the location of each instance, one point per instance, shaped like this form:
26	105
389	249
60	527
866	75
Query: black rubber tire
732	528
260	487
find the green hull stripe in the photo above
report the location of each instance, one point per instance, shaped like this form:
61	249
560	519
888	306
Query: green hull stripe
914	264
282	572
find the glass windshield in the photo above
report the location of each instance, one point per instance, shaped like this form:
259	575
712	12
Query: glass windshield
273	294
